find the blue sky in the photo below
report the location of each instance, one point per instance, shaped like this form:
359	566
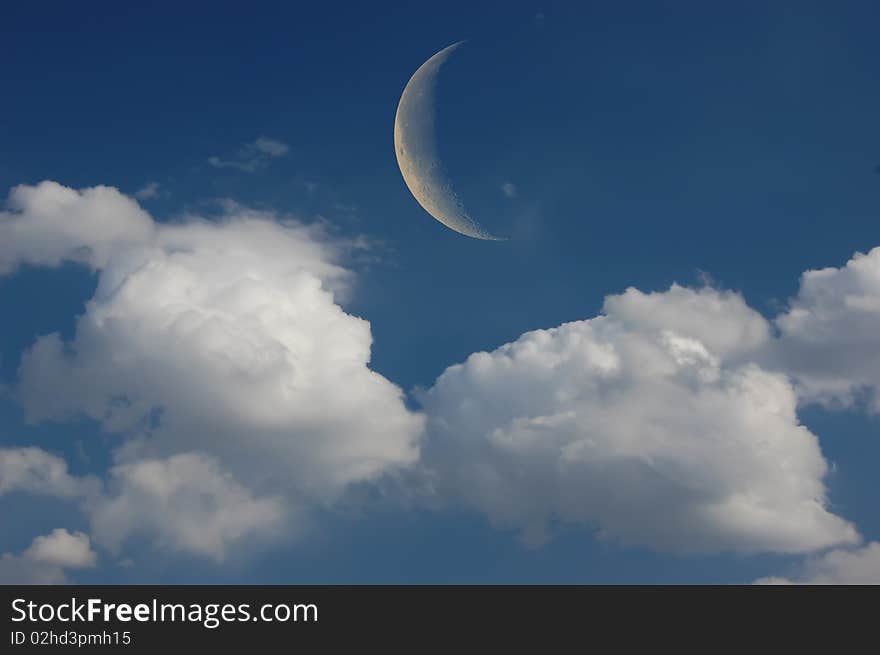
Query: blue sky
647	144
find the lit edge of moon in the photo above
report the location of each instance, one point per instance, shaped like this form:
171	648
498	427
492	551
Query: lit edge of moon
415	143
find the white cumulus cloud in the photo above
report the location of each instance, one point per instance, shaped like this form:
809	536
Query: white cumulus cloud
830	335
48	558
34	471
50	223
648	422
187	503
241	390
721	320
62	548
224	338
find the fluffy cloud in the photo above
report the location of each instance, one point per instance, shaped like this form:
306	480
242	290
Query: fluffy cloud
647	422
222	338
34	471
226	338
720	320
50	223
47	559
841	566
830	335
187	503
61	548
243	394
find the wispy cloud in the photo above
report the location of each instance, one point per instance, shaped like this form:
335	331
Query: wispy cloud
252	156
148	191
509	189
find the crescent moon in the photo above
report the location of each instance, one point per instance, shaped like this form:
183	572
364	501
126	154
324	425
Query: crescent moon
415	143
